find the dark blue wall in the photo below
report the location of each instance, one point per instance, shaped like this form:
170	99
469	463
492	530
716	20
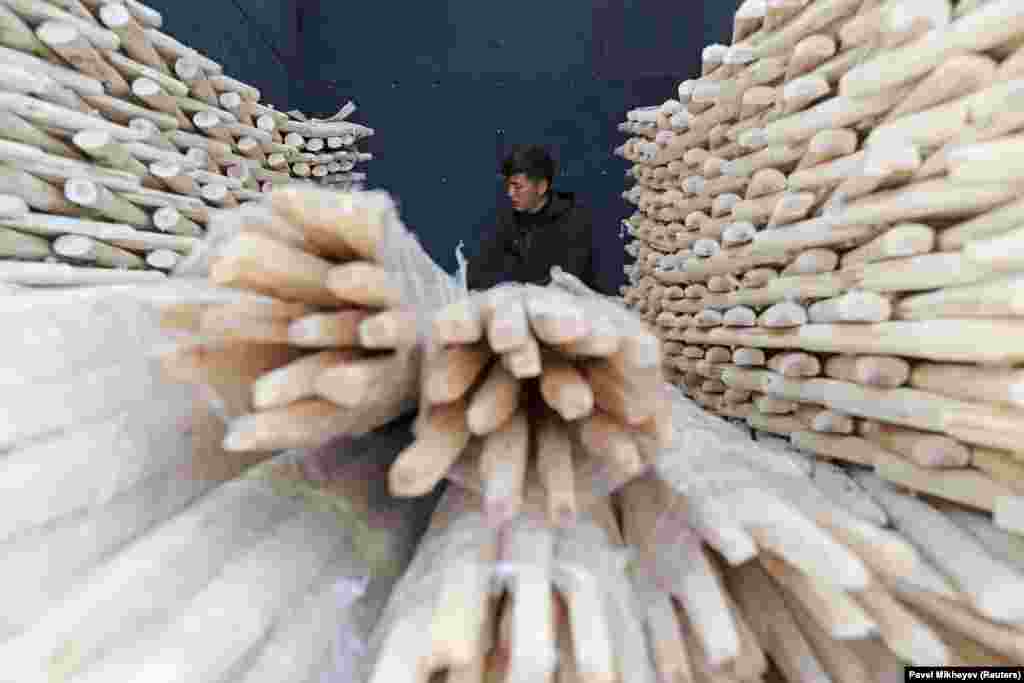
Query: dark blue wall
450	86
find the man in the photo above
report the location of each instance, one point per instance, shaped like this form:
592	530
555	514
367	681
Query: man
541	229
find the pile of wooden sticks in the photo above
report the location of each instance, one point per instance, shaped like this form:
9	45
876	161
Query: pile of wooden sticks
563	612
118	143
326	342
835	262
536	386
922	591
328	153
827	245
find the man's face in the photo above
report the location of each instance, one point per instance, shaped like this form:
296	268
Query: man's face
525	194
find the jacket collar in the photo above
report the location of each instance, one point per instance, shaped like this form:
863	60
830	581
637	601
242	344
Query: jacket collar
558	204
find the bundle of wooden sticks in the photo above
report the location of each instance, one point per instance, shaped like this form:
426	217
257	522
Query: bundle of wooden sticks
826	239
564	610
117	143
124	568
747	566
327	340
536	386
923	591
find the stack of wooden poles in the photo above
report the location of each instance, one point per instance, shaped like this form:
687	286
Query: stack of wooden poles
118	143
328	149
324	336
827	241
542	393
561	609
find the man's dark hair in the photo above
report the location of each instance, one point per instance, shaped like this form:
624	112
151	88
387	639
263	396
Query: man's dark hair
533	161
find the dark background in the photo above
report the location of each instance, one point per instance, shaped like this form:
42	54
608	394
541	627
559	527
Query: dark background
450	86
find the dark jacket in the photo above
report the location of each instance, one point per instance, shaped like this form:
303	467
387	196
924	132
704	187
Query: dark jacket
526	246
